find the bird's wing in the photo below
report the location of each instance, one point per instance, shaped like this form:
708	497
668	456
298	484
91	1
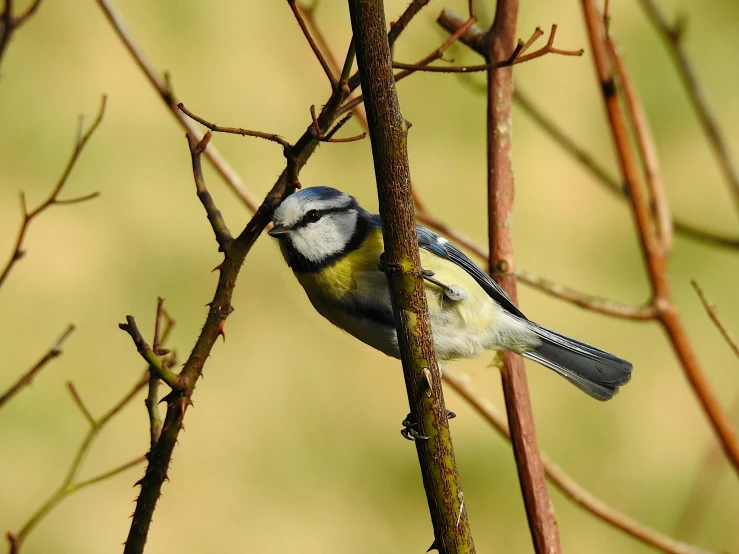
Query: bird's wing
428	240
440	246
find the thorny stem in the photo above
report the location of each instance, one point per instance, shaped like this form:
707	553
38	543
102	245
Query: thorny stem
53	198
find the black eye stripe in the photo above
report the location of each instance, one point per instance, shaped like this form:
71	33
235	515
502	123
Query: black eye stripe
305	220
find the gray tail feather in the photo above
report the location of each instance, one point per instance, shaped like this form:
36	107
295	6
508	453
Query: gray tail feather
592	370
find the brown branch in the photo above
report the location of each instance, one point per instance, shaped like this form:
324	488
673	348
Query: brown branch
71	484
234	130
659	204
716	318
672	35
162	85
515	57
388	134
9	23
219	309
28	376
567	485
297	12
501	39
53	198
152	397
155	364
473	38
329	136
397	27
655	257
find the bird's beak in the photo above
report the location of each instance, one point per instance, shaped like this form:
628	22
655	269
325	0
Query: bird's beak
278	231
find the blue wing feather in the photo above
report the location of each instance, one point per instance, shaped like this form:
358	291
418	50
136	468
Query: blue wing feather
428	240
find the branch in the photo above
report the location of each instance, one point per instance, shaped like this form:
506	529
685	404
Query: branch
388	134
539	510
219	309
516	56
655	257
567	485
162	85
53	198
152	397
155	364
316	51
672	35
716	318
28	376
71	484
473	38
397	27
9	23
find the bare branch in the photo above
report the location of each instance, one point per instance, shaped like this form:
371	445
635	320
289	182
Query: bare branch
28	376
155	364
654	254
501	39
80	404
316	50
672	35
162	86
716	318
52	199
567	485
397	27
70	484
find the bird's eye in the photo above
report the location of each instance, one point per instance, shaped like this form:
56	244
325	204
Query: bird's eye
312	216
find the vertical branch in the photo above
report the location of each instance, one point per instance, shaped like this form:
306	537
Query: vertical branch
655	256
388	133
501	42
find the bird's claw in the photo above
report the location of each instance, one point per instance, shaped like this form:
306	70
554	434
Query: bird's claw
410	427
452	292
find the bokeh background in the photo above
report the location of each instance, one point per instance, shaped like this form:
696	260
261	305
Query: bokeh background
293	444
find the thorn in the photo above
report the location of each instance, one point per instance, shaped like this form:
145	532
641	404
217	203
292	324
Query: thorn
222	329
433	546
217	268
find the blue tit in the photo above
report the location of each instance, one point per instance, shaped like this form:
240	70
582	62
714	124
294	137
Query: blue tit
334	247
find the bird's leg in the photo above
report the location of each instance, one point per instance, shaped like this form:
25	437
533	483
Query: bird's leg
410	427
452	292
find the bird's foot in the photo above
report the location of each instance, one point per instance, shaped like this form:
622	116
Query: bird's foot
452	292
410	427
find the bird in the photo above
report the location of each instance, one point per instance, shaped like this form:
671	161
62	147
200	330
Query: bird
335	249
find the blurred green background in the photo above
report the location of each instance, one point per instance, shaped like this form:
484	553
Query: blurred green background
293	444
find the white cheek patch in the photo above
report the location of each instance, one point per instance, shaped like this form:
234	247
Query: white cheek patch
326	237
292	210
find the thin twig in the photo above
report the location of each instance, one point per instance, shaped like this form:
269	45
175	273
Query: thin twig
672	35
28	376
70	484
567	485
516	55
309	37
27	217
654	255
155	364
9	23
234	130
647	150
161	84
397	27
716	318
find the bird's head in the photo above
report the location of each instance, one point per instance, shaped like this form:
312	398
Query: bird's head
316	223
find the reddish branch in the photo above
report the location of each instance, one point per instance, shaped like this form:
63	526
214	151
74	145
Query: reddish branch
654	255
501	40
